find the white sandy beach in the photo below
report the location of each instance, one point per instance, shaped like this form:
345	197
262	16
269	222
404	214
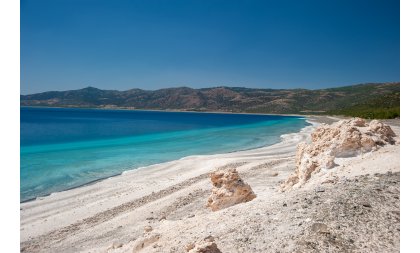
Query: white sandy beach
110	215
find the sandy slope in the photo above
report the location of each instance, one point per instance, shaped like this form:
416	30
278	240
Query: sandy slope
109	216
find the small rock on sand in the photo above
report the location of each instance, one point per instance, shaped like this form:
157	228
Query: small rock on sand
148	229
115	245
319	228
205	246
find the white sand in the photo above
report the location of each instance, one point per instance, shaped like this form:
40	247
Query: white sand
93	217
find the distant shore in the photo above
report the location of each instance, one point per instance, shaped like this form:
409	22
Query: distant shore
319	118
170	110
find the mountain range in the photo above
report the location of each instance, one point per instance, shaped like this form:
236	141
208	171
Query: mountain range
371	100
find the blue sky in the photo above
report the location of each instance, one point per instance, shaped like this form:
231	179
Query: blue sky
122	44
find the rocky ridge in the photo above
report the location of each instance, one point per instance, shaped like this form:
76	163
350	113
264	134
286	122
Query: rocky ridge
370	99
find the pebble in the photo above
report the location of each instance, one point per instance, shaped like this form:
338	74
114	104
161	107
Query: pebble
117	245
162	218
148	229
209	238
366	204
319	228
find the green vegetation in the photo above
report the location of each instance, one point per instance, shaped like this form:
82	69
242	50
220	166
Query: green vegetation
370	113
385	107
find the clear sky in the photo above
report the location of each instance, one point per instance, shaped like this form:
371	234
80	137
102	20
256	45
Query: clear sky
123	44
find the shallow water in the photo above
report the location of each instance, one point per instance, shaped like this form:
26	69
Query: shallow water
65	148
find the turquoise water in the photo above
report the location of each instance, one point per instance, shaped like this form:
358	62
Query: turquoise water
66	148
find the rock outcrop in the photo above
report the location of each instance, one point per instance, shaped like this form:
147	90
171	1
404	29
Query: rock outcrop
205	246
228	190
344	138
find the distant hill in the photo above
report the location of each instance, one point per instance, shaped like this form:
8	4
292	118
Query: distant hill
373	100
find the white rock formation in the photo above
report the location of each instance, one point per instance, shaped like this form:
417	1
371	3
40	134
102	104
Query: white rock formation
228	190
344	138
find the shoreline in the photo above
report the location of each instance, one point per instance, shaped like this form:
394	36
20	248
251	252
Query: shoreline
170	198
185	111
311	123
60	209
74	187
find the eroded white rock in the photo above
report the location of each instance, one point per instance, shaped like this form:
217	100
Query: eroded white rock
344	138
228	190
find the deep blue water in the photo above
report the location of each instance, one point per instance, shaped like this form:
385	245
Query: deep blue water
65	148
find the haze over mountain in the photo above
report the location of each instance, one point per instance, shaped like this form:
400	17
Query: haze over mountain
367	100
